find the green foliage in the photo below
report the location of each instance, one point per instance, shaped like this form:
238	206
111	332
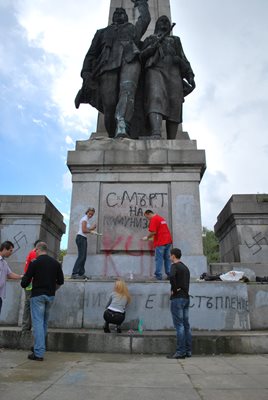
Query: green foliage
63	253
210	246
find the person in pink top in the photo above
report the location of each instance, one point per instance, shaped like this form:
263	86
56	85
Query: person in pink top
159	231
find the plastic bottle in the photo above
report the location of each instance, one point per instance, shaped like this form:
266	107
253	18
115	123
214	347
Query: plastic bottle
140	326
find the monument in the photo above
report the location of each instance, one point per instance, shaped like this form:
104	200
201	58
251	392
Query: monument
24	219
127	170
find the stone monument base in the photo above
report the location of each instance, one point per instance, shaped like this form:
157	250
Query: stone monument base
121	179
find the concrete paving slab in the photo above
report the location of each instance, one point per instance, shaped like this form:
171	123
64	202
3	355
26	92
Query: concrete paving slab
118	393
224	381
80	376
127	375
241	394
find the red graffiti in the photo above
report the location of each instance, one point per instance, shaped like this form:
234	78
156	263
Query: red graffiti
115	246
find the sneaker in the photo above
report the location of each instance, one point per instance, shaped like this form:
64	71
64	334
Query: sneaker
84	277
188	355
176	356
75	276
33	357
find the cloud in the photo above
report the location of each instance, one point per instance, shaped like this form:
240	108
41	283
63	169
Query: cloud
69	140
214	195
54	28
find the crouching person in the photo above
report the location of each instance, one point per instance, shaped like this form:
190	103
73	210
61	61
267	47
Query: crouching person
46	276
115	308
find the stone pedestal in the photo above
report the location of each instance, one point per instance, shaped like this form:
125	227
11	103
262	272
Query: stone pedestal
24	219
242	229
123	178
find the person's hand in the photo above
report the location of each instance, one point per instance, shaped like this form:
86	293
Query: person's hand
145	238
93	227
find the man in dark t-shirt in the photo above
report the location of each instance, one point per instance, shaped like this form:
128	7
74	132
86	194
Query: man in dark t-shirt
179	304
46	276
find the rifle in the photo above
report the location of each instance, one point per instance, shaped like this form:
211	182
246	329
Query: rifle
162	37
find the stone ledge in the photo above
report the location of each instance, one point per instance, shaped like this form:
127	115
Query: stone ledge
150	342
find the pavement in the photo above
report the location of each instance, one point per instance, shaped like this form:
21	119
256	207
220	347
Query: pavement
80	376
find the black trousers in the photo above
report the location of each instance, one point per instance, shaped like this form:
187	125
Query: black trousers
114	317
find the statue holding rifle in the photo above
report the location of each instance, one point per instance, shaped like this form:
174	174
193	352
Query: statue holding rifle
168	79
111	70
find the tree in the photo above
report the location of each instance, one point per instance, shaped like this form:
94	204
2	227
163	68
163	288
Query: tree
63	253
210	246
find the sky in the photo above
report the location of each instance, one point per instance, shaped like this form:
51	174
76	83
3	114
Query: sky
42	47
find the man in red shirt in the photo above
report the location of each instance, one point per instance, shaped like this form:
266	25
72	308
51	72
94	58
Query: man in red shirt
26	318
158	230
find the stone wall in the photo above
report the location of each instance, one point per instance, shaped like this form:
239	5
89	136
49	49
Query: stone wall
214	305
242	229
23	220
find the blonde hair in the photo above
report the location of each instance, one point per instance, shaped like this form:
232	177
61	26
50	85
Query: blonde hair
121	288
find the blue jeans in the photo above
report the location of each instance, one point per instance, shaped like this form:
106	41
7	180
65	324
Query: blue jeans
79	266
179	308
162	253
40	306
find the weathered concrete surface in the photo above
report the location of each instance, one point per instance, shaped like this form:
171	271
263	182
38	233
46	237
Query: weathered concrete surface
69	376
161	342
24	219
122	179
242	229
258	305
80	304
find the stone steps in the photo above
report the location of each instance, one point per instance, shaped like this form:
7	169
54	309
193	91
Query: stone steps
149	342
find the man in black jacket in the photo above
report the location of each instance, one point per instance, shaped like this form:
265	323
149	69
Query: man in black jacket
46	276
179	307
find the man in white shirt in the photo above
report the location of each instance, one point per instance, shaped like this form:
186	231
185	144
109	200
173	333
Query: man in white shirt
6	250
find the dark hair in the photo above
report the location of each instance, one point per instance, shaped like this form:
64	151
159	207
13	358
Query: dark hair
42	246
37	241
90	209
148	212
6	245
176	252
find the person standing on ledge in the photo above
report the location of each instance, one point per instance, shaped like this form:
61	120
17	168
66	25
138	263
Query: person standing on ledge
26	317
85	227
166	69
159	232
179	305
111	70
6	249
46	276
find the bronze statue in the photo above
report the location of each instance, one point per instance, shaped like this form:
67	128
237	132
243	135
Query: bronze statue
168	79
111	70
